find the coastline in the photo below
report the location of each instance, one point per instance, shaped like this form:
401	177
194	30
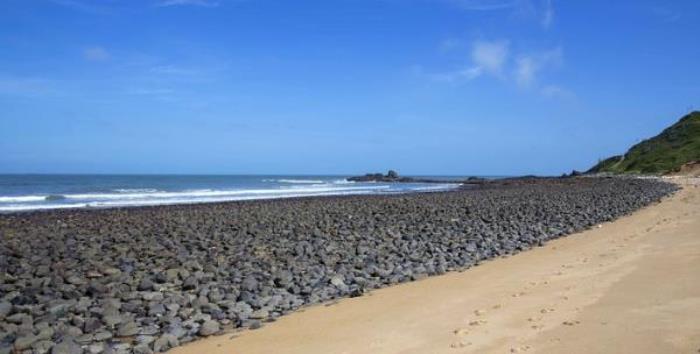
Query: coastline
53	192
228	203
629	286
152	278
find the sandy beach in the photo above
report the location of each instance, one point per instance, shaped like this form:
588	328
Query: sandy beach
630	286
148	279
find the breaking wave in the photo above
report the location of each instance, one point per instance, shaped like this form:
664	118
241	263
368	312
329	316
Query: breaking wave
284	188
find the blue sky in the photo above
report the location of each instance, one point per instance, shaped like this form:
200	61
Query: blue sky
495	87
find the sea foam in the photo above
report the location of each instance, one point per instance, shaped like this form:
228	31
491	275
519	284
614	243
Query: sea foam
277	188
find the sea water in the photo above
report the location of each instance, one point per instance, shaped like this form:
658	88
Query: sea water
34	192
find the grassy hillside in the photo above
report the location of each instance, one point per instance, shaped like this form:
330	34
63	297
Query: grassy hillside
666	152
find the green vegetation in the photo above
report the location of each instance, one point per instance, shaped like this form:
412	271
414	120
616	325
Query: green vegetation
666	152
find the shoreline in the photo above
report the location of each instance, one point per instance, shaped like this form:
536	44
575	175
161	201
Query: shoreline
602	290
168	275
479	183
195	203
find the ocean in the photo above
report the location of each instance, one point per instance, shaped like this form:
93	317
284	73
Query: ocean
35	192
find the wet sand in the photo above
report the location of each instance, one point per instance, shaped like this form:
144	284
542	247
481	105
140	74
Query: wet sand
630	286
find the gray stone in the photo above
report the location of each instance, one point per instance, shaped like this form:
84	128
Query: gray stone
208	328
142	349
96	348
255	324
18	318
190	283
145	339
76	280
25	342
146	284
152	296
260	314
42	347
249	284
149	330
177	331
45	334
5	309
165	342
66	347
91	325
338	281
102	335
128	329
172	275
156	310
112	320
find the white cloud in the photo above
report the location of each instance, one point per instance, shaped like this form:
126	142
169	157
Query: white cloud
27	87
527	67
203	3
173	70
493	58
548	14
525	70
95	54
463	74
450	44
487	57
555	91
490	57
541	11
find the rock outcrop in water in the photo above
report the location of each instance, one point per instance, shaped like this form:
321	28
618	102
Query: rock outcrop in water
146	279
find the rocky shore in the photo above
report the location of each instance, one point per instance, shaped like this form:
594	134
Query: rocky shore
146	279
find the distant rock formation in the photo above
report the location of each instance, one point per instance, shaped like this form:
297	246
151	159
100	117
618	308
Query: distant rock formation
393	177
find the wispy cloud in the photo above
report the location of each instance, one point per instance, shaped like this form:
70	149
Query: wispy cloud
173	70
490	56
450	44
666	14
538	11
556	91
149	91
203	3
487	57
453	76
485	5
547	14
160	94
494	58
85	6
23	86
527	67
95	54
